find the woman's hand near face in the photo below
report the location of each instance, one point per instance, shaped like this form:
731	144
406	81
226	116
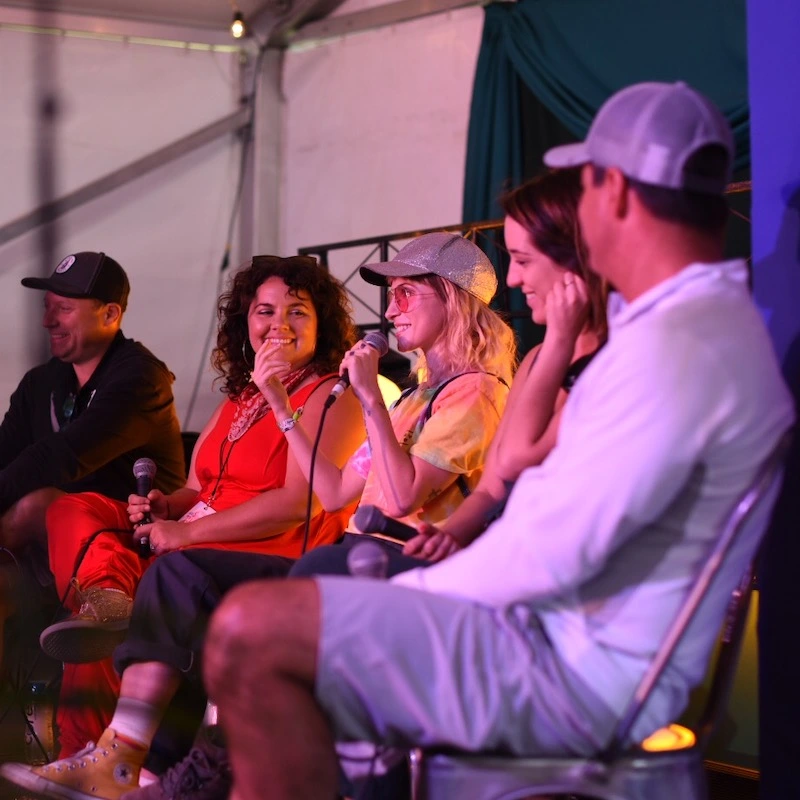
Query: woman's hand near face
361	363
567	306
268	374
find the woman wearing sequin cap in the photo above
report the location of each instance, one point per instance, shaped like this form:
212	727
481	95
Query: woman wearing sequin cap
426	453
239	516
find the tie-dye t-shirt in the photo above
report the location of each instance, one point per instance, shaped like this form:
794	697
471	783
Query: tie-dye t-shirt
455	438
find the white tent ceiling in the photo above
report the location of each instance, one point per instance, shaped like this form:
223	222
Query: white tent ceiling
272	22
212	14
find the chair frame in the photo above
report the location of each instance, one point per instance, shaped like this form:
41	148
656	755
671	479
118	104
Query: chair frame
620	772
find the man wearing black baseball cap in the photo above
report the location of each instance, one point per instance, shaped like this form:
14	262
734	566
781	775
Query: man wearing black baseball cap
78	422
86	275
532	640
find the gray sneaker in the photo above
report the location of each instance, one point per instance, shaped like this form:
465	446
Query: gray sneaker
205	774
93	633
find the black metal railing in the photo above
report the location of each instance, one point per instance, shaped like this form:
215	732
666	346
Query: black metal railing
487	235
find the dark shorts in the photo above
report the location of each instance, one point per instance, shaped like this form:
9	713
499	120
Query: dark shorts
175	600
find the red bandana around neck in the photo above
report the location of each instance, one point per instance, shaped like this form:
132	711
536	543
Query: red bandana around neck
251	405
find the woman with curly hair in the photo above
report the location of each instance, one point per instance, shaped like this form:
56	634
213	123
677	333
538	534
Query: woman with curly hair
240	515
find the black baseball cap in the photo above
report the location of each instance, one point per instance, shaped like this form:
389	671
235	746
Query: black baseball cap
86	274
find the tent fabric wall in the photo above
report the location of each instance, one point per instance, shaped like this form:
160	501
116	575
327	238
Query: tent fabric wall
573	54
118	102
374	137
373	131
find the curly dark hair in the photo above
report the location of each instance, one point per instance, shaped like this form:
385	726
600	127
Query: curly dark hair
335	329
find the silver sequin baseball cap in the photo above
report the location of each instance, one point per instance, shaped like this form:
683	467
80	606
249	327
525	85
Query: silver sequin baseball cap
649	131
447	255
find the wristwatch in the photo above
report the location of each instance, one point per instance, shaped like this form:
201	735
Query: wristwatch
285	425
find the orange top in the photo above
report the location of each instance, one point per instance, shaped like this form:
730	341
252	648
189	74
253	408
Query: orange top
231	473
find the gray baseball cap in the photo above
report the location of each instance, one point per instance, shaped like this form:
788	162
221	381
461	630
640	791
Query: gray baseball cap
447	255
649	131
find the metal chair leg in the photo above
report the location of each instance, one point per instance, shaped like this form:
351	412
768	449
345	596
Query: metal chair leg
416	768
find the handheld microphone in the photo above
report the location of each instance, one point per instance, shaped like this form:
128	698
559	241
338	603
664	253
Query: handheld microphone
370	519
144	470
376	340
368	560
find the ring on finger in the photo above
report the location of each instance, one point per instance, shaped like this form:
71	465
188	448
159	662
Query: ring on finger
152	546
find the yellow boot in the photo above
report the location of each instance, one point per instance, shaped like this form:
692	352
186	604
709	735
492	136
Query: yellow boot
105	771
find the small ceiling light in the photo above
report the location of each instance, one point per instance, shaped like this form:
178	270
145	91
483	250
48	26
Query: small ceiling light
237	26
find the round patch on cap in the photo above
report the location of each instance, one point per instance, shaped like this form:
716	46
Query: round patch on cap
65	264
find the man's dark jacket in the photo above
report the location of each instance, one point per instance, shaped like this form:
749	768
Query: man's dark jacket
87	440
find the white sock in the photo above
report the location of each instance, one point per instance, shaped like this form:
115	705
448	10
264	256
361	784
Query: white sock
136	720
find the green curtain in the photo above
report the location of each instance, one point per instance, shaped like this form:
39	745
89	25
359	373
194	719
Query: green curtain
494	143
541	130
495	123
573	54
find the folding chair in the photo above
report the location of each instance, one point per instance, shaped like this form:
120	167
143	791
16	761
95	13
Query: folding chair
668	764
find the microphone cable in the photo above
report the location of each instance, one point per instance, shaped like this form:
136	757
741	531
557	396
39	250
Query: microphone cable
381	344
16	698
15	684
310	498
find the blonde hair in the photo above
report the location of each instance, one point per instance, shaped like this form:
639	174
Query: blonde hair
475	338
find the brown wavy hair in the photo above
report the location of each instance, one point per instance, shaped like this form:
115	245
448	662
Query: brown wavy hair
547	207
336	333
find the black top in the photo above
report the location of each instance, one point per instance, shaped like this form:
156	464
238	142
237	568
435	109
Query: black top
576	368
87	440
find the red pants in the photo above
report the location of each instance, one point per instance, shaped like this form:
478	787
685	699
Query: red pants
89	691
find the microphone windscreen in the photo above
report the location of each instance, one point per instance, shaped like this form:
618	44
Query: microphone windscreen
377	340
368	560
144	468
369	519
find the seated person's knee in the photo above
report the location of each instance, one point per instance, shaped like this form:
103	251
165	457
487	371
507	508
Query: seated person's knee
231	622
